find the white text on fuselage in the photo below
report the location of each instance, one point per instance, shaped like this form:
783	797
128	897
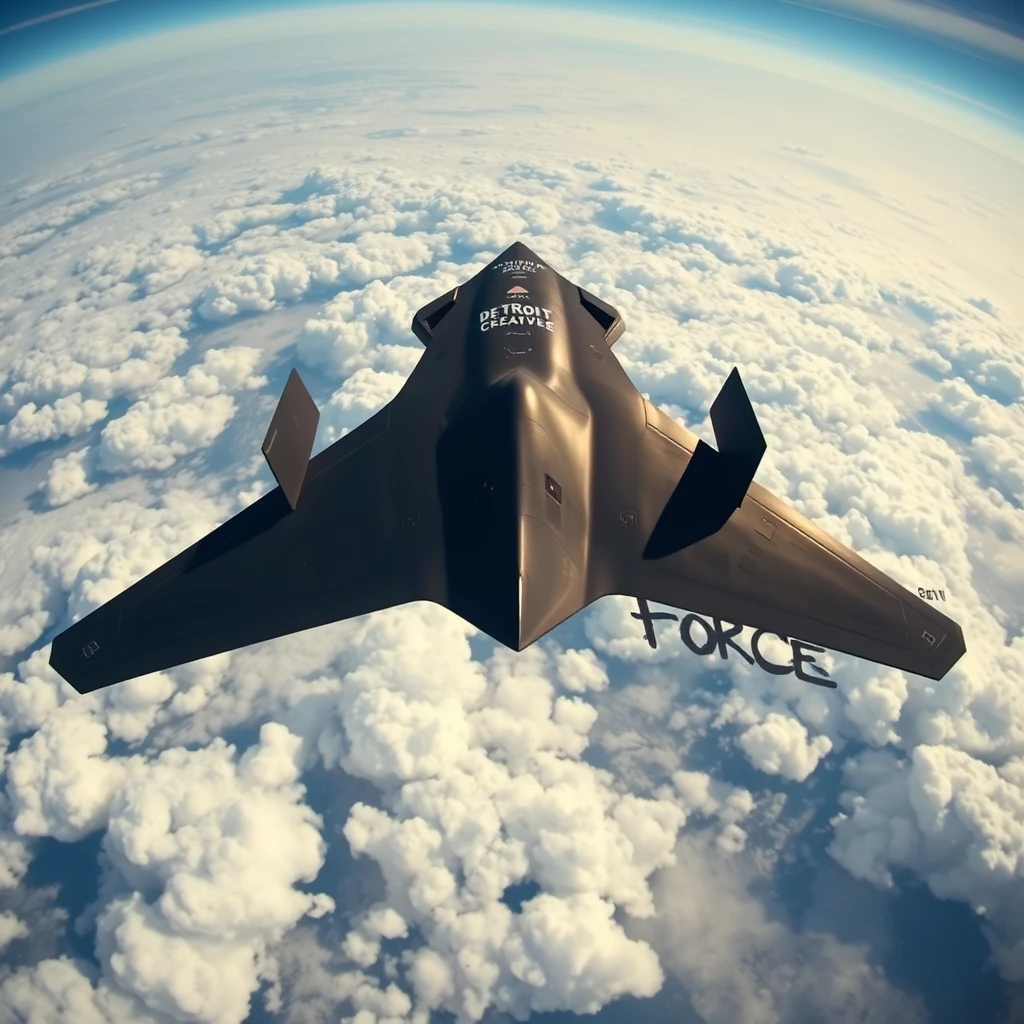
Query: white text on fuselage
516	313
518	266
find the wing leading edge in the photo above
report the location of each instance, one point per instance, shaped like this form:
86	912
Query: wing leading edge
771	568
268	571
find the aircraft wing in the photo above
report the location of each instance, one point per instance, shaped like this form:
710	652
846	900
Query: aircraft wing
770	568
268	571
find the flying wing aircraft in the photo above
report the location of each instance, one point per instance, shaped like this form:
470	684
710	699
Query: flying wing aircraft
517	477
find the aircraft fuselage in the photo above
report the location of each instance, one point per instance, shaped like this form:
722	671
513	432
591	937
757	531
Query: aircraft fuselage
516	462
516	477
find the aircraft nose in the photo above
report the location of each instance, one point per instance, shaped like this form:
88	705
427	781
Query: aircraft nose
518	251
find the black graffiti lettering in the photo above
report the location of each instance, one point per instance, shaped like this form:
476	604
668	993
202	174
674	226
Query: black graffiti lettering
725	639
719	636
648	618
762	662
686	624
800	659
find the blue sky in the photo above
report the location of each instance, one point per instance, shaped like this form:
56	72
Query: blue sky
33	32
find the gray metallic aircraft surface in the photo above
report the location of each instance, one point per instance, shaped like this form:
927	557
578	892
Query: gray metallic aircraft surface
516	477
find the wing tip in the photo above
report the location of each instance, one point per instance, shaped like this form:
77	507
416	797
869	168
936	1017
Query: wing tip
953	648
80	655
61	662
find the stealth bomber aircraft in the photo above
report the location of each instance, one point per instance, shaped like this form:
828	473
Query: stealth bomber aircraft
517	477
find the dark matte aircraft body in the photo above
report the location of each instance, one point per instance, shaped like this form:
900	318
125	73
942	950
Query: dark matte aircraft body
516	477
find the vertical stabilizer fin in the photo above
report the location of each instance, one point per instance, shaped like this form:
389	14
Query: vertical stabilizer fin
736	428
714	483
609	318
425	320
289	440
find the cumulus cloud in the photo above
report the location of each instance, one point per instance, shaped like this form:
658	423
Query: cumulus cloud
492	792
263	281
362	394
179	415
62	989
518	876
580	671
15	856
30	696
68	478
94	355
369	327
949	816
741	959
192	950
243	214
33	230
780	746
205	850
11	928
66	417
58	781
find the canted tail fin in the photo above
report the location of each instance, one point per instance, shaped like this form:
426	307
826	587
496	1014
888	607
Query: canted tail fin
289	439
425	320
609	318
714	483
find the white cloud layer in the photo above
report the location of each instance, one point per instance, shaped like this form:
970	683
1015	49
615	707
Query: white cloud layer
11	928
741	961
956	819
779	745
68	478
492	793
541	833
179	415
